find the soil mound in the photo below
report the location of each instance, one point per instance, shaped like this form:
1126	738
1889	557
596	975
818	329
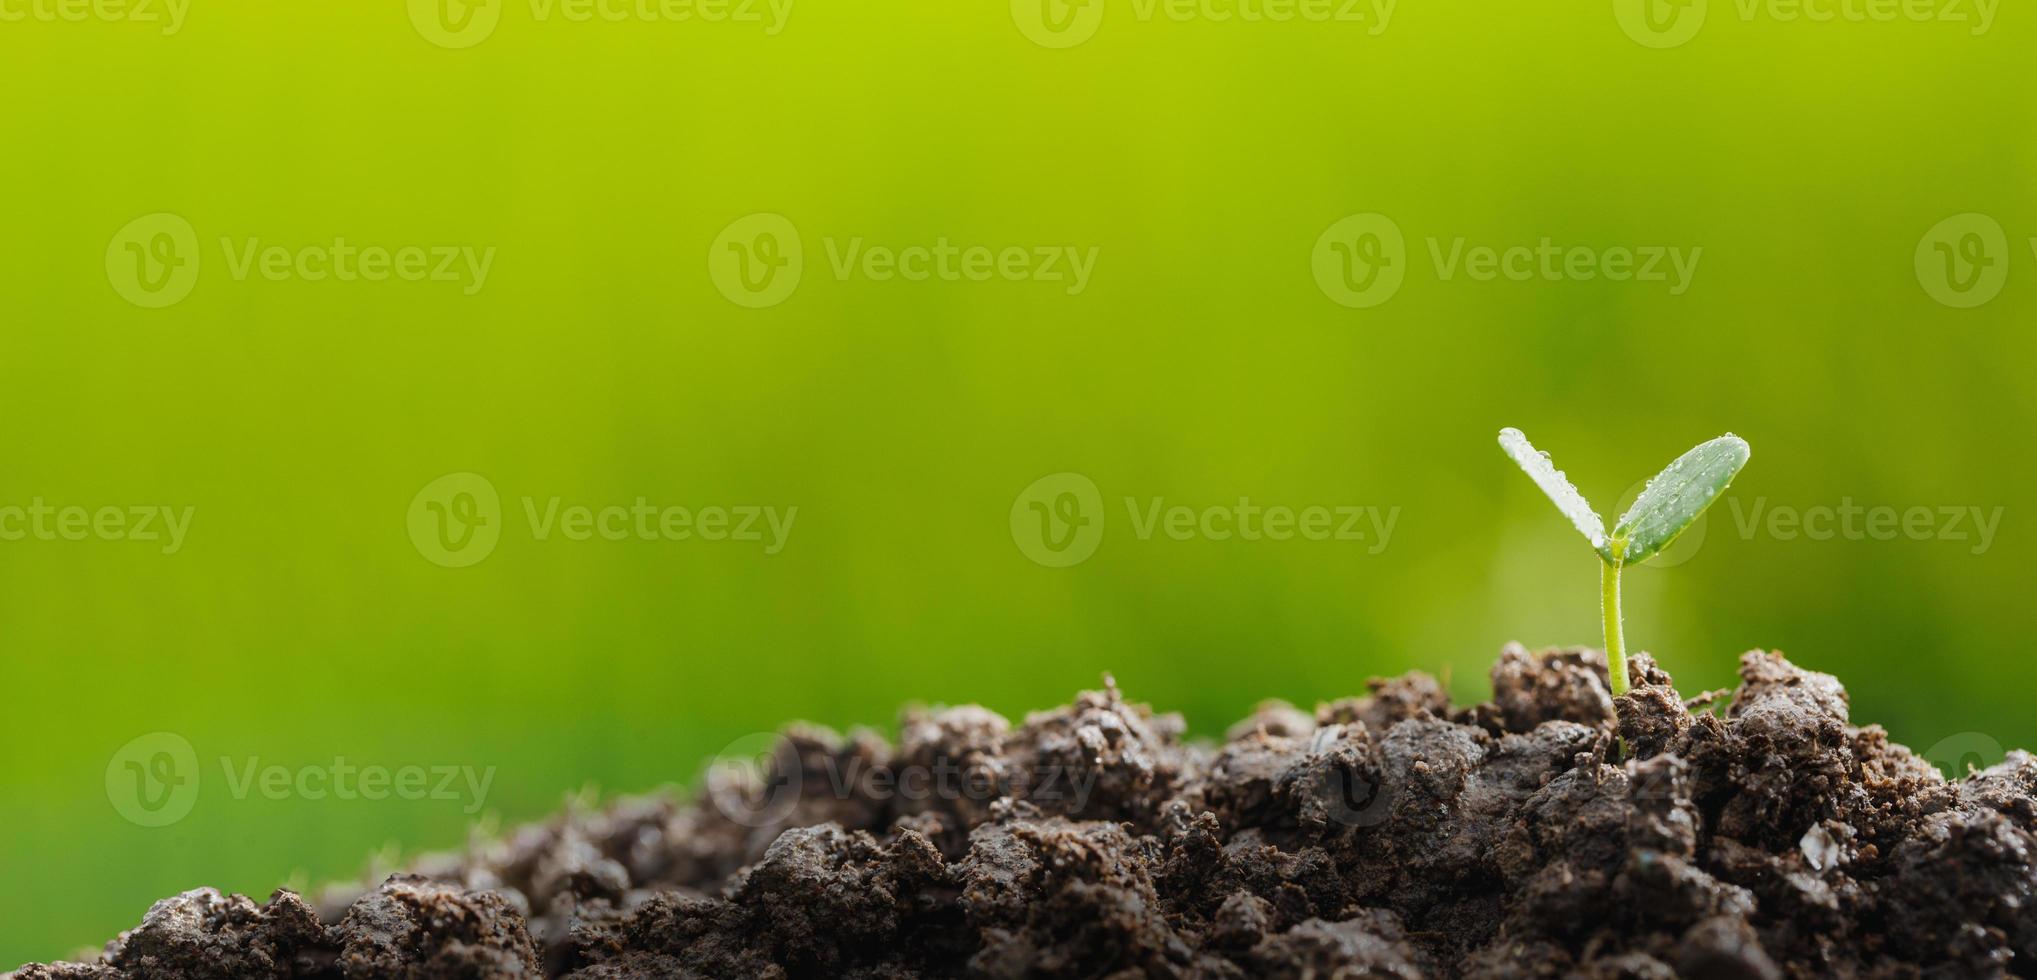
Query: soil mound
1389	835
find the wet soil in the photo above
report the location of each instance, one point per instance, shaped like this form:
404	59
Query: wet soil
1389	835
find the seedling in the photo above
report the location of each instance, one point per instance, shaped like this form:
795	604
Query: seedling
1670	503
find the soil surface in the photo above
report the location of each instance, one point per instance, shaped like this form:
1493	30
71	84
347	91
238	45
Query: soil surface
1389	835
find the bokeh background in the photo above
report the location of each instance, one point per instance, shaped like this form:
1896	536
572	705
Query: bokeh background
1200	158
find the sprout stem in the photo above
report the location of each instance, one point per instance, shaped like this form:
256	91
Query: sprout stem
1616	644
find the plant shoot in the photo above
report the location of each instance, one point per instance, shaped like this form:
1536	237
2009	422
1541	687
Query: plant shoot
1669	504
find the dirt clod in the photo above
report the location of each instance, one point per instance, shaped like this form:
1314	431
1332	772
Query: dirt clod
1553	832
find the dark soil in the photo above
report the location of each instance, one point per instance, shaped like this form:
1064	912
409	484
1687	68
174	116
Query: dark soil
1383	836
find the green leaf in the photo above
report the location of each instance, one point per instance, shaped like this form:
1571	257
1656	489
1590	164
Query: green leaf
1676	496
1556	485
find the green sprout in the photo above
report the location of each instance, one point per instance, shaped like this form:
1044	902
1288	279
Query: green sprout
1670	503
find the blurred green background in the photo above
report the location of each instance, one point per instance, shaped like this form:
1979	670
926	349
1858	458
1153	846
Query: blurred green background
1200	157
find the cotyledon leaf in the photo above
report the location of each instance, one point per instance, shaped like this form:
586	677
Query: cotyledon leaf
1556	485
1675	497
